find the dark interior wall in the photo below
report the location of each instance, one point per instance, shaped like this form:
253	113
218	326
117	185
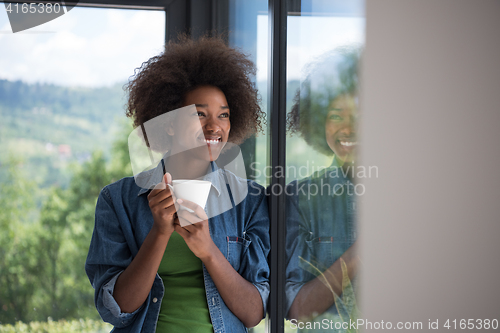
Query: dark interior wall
234	19
196	17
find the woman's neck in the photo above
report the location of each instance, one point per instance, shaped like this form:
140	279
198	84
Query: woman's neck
349	169
185	166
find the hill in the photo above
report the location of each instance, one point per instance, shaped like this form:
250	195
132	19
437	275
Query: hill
49	126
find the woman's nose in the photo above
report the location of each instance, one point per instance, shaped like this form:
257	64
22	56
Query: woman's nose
347	130
349	127
212	125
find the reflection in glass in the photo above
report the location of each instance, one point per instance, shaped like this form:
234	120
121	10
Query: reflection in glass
321	208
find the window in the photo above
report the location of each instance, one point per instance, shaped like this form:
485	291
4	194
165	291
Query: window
63	133
62	137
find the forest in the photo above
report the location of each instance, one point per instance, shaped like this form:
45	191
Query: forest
48	195
58	147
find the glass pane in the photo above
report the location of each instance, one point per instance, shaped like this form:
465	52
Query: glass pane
248	30
324	44
62	138
248	22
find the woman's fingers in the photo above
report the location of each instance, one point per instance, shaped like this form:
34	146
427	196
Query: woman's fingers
181	231
189	223
171	211
164	198
197	236
167	178
161	192
157	190
161	186
197	209
190	218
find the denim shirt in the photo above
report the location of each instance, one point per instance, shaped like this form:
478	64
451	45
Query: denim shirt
123	219
321	226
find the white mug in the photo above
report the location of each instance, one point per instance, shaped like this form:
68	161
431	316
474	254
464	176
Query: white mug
193	190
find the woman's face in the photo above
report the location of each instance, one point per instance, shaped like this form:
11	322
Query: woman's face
212	113
340	128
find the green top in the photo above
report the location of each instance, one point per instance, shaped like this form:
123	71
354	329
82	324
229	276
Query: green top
184	307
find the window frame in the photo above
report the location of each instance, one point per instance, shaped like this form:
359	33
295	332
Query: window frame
187	11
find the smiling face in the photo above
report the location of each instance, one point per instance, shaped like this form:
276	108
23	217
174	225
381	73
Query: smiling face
212	113
340	128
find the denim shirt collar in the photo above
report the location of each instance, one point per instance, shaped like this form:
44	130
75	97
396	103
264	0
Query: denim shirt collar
335	163
340	175
154	176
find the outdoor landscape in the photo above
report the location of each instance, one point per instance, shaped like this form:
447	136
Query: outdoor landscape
58	147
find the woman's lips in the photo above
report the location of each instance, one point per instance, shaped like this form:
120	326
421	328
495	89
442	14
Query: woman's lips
348	144
211	140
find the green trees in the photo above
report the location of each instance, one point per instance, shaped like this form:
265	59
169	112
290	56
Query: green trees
52	126
18	264
43	251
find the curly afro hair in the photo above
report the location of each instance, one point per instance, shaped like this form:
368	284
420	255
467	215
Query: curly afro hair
161	83
334	75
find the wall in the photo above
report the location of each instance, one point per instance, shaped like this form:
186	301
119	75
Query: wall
430	221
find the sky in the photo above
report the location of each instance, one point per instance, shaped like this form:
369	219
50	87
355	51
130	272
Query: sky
93	47
85	47
309	37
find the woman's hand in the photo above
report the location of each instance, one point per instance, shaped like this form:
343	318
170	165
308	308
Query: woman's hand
162	204
134	283
195	232
316	296
232	287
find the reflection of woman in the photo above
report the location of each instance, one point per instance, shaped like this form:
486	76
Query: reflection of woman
321	212
150	273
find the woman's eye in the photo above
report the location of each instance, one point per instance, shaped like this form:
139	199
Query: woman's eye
200	114
335	117
225	115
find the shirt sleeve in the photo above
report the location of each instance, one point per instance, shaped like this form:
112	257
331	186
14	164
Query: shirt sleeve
109	255
255	268
295	246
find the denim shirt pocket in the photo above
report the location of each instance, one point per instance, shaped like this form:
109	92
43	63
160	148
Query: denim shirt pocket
236	247
319	255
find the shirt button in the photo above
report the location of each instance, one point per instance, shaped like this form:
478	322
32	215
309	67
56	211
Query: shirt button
155	300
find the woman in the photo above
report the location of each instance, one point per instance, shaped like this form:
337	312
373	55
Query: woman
149	273
321	216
